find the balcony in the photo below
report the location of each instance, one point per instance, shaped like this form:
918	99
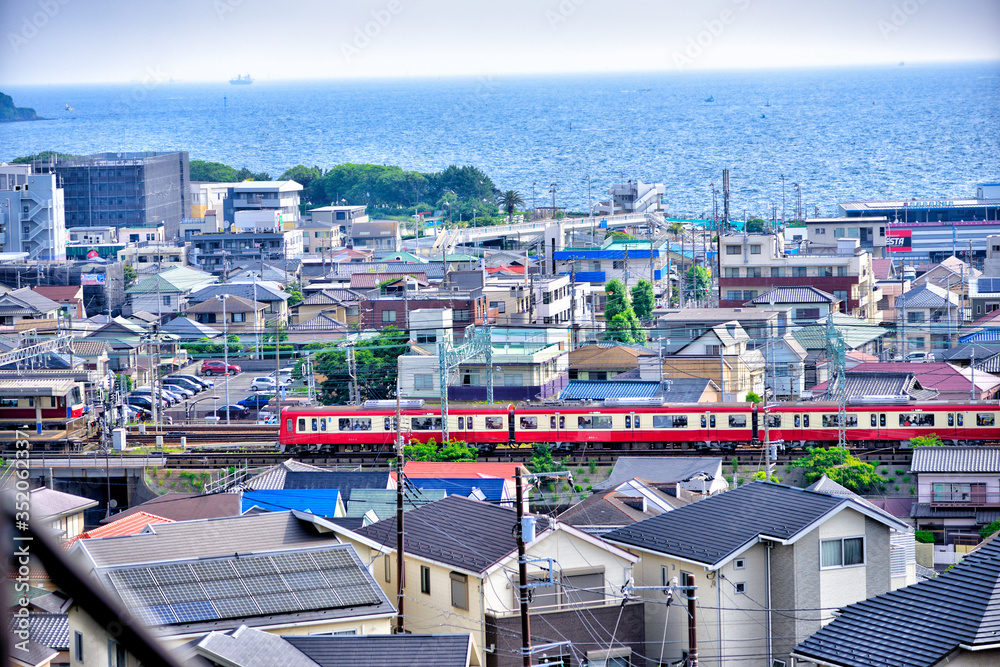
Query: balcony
960	499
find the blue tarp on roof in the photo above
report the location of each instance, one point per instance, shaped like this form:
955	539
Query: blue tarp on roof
492	488
322	502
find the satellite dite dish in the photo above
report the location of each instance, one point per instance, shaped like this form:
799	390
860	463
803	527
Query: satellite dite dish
112	503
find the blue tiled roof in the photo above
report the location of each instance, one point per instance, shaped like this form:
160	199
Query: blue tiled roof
322	502
581	390
492	488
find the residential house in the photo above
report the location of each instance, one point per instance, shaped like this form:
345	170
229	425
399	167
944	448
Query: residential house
950	274
130	524
958	492
858	335
752	264
377	311
188	329
631	502
281	572
695	474
807	304
461	562
373	505
215	252
785	362
603	362
951	383
508	299
889	386
339	304
984	296
231	314
319	238
627	260
870	231
167	292
376	235
147	258
673	390
46	641
327	503
62	512
26	304
339	218
70	297
688	323
947	620
269	294
96	355
183	507
927	319
751	550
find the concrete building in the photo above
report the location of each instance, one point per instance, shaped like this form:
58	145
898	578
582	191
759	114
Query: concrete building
32	216
92	235
632	197
340	217
870	231
208	198
124	189
376	235
154	258
213	252
278	197
752	264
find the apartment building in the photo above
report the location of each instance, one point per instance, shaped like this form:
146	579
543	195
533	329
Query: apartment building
212	252
752	264
632	197
870	231
278	197
32	215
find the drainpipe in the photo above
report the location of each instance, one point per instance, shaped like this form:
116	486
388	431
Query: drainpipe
767	602
718	613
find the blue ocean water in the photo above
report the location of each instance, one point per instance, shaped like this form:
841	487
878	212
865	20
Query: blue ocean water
863	133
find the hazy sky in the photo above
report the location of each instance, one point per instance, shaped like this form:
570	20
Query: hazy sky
78	41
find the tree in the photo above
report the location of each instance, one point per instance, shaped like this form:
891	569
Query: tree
755	226
753	397
376	368
509	201
129	275
761	476
842	467
698	282
213	172
542	462
643	299
452	451
309	179
931	440
619	329
618	300
294	292
989	529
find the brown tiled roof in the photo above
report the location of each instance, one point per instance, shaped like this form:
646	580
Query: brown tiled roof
596	357
186	507
373	280
60	293
234	304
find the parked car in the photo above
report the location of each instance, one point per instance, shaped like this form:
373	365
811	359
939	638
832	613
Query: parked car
142	402
262	383
169	398
207	384
285	374
179	390
255	401
919	356
185	383
235	412
218	368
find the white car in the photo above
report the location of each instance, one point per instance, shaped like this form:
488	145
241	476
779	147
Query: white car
265	383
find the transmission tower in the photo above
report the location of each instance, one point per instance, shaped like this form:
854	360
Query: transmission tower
836	387
477	344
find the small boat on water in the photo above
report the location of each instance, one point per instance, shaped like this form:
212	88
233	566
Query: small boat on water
710	98
69	108
240	80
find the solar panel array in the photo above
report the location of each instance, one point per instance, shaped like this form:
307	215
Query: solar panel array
244	586
988	285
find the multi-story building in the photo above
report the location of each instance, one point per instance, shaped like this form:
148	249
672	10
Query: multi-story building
632	197
870	231
280	197
627	260
124	189
32	218
752	264
92	235
340	217
376	235
212	252
208	197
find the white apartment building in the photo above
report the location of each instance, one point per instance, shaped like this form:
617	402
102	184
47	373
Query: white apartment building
281	197
632	197
32	213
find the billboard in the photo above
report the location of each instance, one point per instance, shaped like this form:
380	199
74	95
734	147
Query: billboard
899	240
91	278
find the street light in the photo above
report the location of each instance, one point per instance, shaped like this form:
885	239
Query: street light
553	188
225	348
782	199
187	406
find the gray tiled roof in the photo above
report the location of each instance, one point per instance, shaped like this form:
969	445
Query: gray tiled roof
965	352
33	653
184	507
51	630
274	477
345	482
247	647
451	650
50	503
863	384
956	459
659	469
456	531
712	529
244	290
794	295
919	625
208	537
927	296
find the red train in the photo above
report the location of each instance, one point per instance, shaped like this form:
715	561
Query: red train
724	426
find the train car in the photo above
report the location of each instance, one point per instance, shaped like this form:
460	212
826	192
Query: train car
815	424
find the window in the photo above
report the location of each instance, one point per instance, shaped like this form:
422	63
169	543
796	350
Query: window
874	420
322	423
618	265
843	552
916	419
501	306
842	271
713	350
838	232
315	425
777	272
732	250
582	586
732	272
494	423
670	421
529	422
423	381
710	422
239	317
740	587
77	646
737	421
166	300
985	419
117	657
739	564
914	317
959	492
831	421
459	590
355	424
461	422
389	424
425	580
462	314
753	272
387	574
734	294
800	272
840	294
750	293
425	423
593	422
8	402
388	315
425	338
881	420
755	249
774	421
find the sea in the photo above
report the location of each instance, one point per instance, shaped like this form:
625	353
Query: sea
835	135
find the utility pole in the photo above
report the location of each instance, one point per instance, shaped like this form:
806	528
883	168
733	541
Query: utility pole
522	573
399	516
692	659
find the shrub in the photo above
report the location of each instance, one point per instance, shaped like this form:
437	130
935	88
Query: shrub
577	488
924	537
592	466
989	529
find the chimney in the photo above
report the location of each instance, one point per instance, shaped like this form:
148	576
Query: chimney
635	502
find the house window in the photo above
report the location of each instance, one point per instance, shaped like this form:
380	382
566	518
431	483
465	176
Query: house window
755	249
753	272
734	294
777	272
388	315
425	338
740	564
842	271
840	294
117	657
732	250
425	580
501	306
166	301
799	272
843	552
740	587
618	265
423	381
459	590
462	315
732	272
239	317
582	586
77	646
388	568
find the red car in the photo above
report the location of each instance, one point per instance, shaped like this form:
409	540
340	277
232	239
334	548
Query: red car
218	368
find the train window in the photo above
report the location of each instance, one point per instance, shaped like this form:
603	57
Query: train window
593	422
355	424
961	419
798	421
703	422
461	422
389	423
830	421
985	419
637	421
552	422
874	420
562	422
494	423
628	421
288	424
529	422
315	426
805	421
737	421
8	402
951	419
916	419
774	421
302	425
711	421
425	423
881	420
322	423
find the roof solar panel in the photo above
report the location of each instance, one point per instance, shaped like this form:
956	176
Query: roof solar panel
173	574
343	576
236	607
138	577
301	562
141	597
179	593
189	612
339	558
358	595
261	585
276	603
319	598
231	588
215	569
254	566
301	581
155	615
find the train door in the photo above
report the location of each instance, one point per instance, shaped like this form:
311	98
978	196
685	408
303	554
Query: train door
631	426
708	428
878	422
956	427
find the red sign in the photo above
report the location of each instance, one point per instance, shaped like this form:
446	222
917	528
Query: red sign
93	254
899	240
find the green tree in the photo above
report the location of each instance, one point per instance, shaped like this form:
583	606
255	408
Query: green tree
618	299
643	299
761	476
931	440
294	292
129	275
41	157
542	462
453	451
376	368
755	226
509	201
698	282
213	172
989	529
841	466
753	397
309	179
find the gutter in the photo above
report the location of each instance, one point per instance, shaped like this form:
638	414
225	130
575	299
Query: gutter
767	601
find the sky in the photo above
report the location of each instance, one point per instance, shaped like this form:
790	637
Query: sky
89	41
